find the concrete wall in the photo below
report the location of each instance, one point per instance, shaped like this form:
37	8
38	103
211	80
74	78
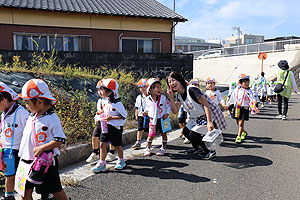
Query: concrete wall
227	69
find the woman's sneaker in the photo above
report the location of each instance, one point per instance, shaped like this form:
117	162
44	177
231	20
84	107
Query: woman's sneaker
186	141
137	145
120	165
244	135
93	157
284	117
147	152
99	168
161	152
279	116
238	139
110	157
210	155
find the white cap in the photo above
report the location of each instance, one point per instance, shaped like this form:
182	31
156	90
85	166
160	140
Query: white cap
150	82
109	83
36	88
5	88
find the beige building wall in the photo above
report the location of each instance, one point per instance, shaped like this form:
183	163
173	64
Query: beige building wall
76	20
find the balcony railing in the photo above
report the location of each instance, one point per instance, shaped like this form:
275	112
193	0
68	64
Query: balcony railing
276	46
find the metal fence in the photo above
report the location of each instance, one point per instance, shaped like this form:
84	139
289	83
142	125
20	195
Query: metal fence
276	46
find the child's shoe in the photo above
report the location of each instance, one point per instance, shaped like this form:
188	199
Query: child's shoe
8	198
147	151
238	139
99	168
244	135
120	164
93	157
110	157
161	152
136	145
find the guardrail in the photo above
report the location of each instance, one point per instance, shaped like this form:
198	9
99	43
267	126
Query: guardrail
276	46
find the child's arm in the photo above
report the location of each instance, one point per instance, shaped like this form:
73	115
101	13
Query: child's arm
49	146
136	113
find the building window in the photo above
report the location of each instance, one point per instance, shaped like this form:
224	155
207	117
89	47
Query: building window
34	42
136	45
249	41
198	48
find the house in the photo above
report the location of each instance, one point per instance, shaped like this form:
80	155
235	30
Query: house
244	39
131	26
188	44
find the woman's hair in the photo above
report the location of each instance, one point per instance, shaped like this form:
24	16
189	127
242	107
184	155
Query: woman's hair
5	95
178	77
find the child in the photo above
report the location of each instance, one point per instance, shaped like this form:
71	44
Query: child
270	92
194	82
143	120
240	101
214	94
113	117
43	133
13	120
158	107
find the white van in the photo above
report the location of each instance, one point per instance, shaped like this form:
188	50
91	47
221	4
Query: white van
210	54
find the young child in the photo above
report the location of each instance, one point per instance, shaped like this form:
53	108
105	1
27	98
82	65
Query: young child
214	94
142	119
113	117
43	133
158	107
194	82
240	101
13	120
270	92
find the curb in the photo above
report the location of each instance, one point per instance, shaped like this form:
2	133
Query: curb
75	154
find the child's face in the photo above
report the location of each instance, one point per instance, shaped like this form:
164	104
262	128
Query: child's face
33	107
210	85
103	92
99	92
156	89
3	104
143	89
195	84
245	84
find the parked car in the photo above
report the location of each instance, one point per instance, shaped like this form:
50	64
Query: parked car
210	54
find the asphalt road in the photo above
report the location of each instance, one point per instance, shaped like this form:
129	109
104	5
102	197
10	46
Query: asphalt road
266	166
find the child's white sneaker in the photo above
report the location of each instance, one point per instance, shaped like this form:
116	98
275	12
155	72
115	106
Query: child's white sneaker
161	152
147	151
93	157
110	157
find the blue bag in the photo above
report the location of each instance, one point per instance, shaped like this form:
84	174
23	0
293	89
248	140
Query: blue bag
166	125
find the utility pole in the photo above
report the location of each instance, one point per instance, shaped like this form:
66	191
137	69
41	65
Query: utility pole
173	34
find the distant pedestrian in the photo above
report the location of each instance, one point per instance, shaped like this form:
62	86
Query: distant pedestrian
112	119
201	110
158	109
240	103
262	89
283	72
140	116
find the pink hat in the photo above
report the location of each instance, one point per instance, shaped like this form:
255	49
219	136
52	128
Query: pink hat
37	88
5	88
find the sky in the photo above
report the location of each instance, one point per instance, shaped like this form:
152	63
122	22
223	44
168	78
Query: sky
216	18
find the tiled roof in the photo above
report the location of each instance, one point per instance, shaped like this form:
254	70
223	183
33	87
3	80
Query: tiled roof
130	8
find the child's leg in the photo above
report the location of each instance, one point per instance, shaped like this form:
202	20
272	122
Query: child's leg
139	135
149	141
164	140
103	150
28	195
60	195
241	127
9	186
119	151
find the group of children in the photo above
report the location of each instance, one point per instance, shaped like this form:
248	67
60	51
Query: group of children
27	137
31	139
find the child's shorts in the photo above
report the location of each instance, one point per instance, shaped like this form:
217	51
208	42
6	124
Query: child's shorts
244	114
51	184
17	160
153	129
114	135
182	118
141	124
97	130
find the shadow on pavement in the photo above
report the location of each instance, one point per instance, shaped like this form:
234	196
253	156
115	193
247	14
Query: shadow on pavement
243	161
161	170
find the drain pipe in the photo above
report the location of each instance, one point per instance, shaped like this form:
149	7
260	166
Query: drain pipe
173	36
120	43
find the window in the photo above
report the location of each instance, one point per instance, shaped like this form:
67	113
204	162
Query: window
197	48
249	41
33	42
134	45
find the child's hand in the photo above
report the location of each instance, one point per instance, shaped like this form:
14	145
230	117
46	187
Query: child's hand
165	116
37	151
136	118
99	112
145	113
225	107
108	118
